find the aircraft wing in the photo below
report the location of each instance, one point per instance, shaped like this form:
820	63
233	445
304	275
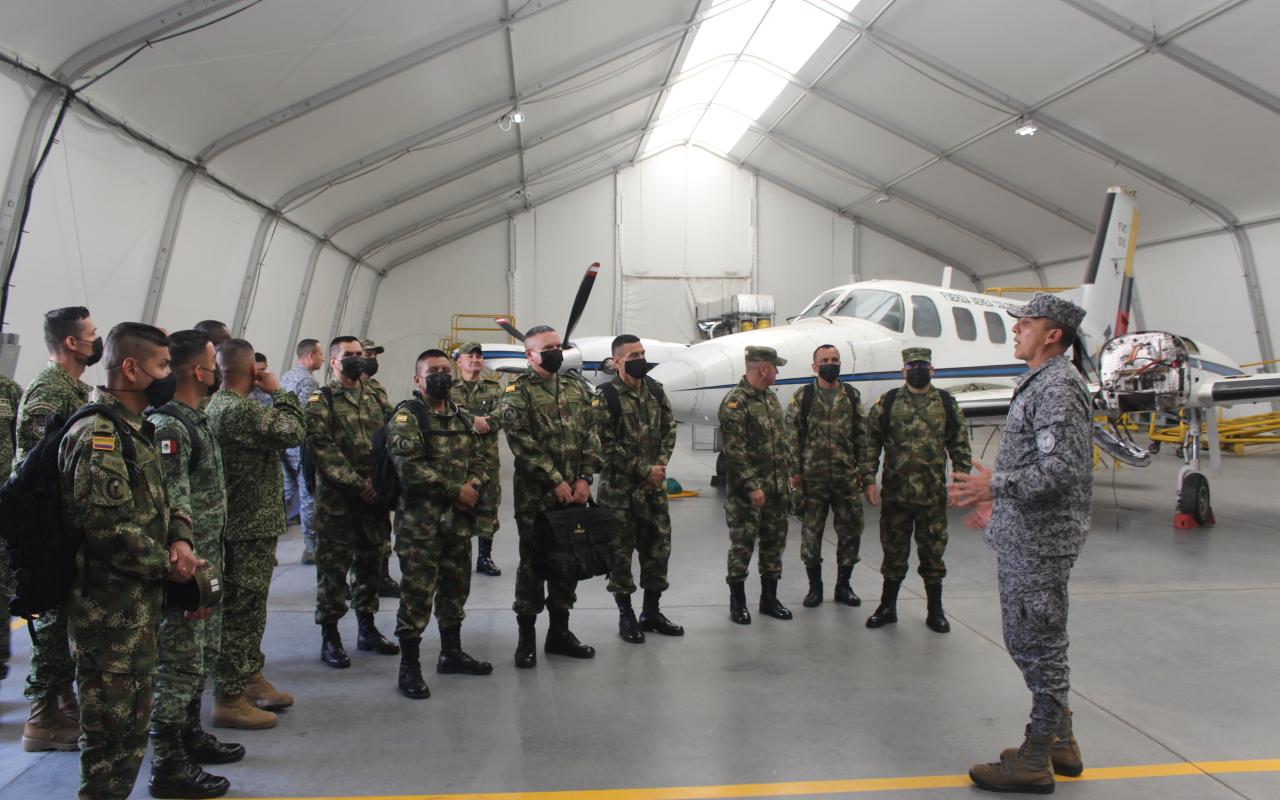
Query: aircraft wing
984	406
1233	389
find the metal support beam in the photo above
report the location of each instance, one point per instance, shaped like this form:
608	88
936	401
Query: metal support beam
368	306
619	296
515	102
340	307
251	272
300	309
164	253
685	42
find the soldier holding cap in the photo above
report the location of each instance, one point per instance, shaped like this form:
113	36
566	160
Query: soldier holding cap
479	395
1041	492
759	459
918	426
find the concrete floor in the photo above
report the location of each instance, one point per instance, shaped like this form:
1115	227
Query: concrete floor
1174	660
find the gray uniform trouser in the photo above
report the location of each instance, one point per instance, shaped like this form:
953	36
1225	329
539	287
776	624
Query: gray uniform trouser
1033	609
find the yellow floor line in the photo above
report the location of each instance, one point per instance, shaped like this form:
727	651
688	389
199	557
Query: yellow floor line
17	623
851	786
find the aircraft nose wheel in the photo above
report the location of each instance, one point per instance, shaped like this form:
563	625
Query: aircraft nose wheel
1193	501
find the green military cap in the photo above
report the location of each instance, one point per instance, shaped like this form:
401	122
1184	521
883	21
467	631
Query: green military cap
370	346
470	347
917	354
756	354
204	590
1059	309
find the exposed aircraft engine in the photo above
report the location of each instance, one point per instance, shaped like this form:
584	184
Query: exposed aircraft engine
1146	371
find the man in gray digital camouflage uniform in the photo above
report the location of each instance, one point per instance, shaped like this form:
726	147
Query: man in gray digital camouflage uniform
1040	495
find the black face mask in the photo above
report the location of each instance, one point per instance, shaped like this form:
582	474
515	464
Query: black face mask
352	367
96	355
160	390
370	367
637	368
918	377
552	360
829	372
217	380
438	385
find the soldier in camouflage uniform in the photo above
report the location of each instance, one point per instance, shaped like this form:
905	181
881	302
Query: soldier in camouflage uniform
387	586
351	526
757	453
10	399
74	345
636	445
479	396
828	436
251	438
133	540
924	427
188	648
443	466
551	432
1042	488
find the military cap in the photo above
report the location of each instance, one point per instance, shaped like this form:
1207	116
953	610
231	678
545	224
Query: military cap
1059	309
204	590
470	347
917	354
370	346
767	354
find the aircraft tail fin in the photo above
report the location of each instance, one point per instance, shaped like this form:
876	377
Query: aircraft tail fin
1106	293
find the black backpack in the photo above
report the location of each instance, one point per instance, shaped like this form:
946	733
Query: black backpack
385	479
614	402
806	405
948	402
197	444
41	546
307	461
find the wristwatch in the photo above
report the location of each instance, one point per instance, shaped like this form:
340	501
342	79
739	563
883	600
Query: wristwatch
586	478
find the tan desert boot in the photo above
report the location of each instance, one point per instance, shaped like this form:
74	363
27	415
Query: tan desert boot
263	695
238	712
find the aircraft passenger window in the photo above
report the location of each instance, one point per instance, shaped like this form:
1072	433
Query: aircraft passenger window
995	327
820	305
874	305
966	328
924	317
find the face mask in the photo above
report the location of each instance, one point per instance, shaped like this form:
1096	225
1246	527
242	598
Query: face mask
217	379
370	367
160	390
438	385
829	372
352	367
96	355
637	368
552	360
918	377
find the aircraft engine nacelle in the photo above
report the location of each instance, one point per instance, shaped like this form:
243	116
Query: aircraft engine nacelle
1146	371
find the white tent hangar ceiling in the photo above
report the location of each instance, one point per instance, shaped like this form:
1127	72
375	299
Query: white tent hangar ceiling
220	154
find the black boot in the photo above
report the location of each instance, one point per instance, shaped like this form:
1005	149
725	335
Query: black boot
936	619
410	681
652	619
331	651
527	644
769	605
368	637
844	592
203	747
484	559
387	586
628	626
453	660
738	605
814	598
561	641
173	775
887	612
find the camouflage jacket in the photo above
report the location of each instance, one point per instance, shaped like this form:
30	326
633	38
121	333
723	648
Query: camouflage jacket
915	454
1043	479
379	391
198	490
251	438
51	391
641	438
755	442
433	468
828	447
128	525
10	401
481	399
552	435
341	442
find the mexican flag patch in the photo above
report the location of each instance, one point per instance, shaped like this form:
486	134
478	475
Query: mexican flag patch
168	447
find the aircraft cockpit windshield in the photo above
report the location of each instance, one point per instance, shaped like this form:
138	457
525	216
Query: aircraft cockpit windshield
874	305
824	302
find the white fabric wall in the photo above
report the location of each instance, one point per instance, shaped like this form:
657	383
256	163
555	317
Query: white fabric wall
276	296
326	288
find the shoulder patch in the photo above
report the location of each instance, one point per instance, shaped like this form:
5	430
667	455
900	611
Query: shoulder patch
314	397
402	417
732	404
104	442
595	401
511	387
169	446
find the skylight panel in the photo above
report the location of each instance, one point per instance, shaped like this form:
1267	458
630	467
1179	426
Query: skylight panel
749	89
792	31
725	34
721	128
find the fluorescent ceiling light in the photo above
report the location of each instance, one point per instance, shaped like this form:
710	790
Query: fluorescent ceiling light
1027	130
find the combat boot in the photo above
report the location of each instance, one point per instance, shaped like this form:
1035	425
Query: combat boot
628	626
814	598
887	612
331	651
453	660
652	619
308	549
410	681
203	747
68	705
935	618
48	729
237	712
173	775
738	612
844	591
1026	771
369	638
1065	756
387	586
769	603
484	559
527	644
561	641
263	695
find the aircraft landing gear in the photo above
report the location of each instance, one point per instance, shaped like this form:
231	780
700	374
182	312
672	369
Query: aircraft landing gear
1193	507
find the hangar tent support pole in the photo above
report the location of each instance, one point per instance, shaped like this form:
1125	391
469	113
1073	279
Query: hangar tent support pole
25	153
251	272
1249	271
295	328
855	267
511	266
753	238
164	253
618	295
340	307
368	307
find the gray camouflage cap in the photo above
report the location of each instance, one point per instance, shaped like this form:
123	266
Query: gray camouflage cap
1059	309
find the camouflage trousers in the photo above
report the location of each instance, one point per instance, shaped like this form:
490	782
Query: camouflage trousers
115	709
435	563
1033	612
186	654
748	525
246	580
52	669
533	593
643	528
897	523
354	542
6	591
486	510
845	505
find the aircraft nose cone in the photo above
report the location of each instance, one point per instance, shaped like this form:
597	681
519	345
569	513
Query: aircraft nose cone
681	379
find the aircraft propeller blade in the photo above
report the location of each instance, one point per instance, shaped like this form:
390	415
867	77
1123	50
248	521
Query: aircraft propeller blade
580	301
511	330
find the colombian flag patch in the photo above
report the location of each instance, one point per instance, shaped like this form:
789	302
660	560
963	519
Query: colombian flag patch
101	442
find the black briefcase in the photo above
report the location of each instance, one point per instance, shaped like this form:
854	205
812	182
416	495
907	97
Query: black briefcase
574	543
